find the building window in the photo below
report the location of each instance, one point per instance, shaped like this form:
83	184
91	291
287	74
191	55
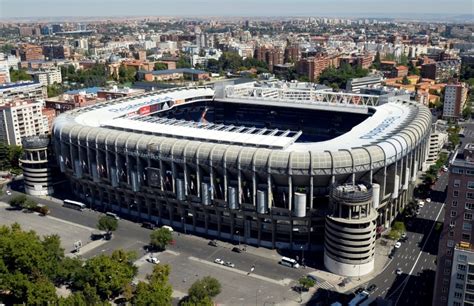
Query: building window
466	237
466	226
455	193
459	276
453	213
451	234
447	271
458	295
462	258
467	216
458	171
457	183
448	262
450	243
470	184
449	252
470	206
461	267
469	172
459	286
455	203
470	195
456	303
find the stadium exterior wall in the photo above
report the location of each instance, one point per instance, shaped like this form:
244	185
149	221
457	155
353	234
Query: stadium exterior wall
189	184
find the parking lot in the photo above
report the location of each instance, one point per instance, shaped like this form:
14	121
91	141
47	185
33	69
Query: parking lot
44	226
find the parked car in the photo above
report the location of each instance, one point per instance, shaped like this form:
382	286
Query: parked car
168	228
212	243
237	250
372	288
153	260
398	271
312	277
428	200
97	235
219	261
8	192
148	225
398	244
229	264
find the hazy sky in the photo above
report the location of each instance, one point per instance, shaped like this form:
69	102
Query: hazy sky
54	8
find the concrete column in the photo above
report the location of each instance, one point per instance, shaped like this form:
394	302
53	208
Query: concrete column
290	192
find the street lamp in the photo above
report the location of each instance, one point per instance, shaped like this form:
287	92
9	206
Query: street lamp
302	256
237	233
184	225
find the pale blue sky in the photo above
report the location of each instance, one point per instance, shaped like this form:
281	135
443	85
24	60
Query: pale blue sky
54	8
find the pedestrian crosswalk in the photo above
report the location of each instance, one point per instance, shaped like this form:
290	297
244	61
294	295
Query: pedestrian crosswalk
324	285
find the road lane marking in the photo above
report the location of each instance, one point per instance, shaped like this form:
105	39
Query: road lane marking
283	282
405	281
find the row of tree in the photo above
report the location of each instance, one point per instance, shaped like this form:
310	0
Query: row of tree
33	267
338	77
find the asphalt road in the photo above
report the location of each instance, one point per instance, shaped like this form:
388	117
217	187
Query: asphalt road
131	236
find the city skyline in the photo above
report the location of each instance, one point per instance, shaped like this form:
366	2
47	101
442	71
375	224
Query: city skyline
344	8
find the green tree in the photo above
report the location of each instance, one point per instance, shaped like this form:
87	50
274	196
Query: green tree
376	63
157	291
107	274
29	204
306	282
18	201
108	224
183	62
405	80
41	292
412	69
403	60
160	238
19	75
202	291
160	66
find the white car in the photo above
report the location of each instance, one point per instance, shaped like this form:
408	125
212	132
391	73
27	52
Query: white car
421	204
8	192
399	271
398	244
168	228
404	235
229	264
153	260
219	261
428	200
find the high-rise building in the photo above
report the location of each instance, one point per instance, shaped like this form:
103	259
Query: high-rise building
56	51
455	96
21	91
313	66
20	119
271	56
450	287
292	54
47	77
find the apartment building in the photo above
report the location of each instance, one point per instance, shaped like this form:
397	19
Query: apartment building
47	77
20	119
21	91
457	231
455	96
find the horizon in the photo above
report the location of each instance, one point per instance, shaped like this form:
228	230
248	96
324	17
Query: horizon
31	9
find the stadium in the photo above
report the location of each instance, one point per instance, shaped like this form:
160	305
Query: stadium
278	167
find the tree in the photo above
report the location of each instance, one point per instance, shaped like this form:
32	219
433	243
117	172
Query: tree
405	80
183	62
107	274
157	291
412	69
208	286
160	66
108	224
160	238
306	282
376	63
403	60
29	204
41	292
18	200
19	75
43	210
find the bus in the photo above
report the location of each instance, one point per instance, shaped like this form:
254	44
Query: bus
74	204
289	262
359	299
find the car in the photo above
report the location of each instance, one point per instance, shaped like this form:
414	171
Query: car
153	260
398	244
372	288
237	250
359	290
219	261
421	204
212	243
168	228
148	225
404	235
229	264
8	192
97	235
398	271
428	200
444	168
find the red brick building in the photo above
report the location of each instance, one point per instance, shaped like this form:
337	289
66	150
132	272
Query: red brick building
313	66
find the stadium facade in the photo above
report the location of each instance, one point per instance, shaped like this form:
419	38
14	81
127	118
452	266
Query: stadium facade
273	167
